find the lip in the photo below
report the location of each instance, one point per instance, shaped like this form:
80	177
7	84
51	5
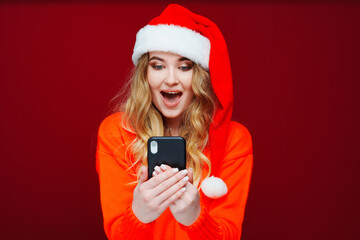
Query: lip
171	104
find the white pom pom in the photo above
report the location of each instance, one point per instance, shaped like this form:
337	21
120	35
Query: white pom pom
213	187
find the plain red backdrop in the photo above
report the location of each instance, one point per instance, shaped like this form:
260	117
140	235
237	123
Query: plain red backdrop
296	76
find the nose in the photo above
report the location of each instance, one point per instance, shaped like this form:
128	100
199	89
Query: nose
171	78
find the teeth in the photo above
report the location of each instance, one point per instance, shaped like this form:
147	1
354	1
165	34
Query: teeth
173	93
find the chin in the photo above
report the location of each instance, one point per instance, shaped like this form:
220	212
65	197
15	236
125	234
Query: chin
171	115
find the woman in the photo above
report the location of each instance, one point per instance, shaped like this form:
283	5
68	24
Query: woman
181	85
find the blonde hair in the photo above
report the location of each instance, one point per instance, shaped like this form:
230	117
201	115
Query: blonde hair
142	118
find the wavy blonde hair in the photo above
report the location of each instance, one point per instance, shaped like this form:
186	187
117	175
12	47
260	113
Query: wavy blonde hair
143	119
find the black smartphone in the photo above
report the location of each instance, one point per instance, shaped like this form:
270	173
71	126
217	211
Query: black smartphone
166	150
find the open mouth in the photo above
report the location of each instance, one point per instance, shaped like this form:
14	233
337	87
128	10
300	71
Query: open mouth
171	96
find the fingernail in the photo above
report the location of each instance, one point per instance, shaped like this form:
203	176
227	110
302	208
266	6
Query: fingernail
157	168
163	167
184	172
154	173
175	170
183	189
185	178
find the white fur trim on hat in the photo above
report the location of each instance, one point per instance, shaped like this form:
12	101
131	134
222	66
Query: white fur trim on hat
214	187
175	39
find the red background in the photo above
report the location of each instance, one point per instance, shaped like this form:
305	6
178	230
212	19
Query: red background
296	76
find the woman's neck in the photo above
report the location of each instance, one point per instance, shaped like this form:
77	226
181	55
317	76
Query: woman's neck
173	126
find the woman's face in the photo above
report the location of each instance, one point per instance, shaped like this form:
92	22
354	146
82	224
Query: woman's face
170	77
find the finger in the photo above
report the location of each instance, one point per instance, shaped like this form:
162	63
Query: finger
191	191
191	188
191	194
157	169
174	197
160	169
164	167
168	183
160	178
160	183
191	175
143	175
186	195
168	193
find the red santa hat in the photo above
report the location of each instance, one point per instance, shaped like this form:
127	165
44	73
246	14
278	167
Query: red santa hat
175	39
180	31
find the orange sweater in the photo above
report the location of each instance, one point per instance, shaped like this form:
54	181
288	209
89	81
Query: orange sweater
219	218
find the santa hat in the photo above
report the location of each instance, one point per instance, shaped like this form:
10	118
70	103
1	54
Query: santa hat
180	31
175	39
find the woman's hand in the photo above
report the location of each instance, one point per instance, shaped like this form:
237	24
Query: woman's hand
186	209
151	197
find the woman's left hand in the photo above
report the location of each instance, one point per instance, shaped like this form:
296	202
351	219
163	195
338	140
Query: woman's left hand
186	209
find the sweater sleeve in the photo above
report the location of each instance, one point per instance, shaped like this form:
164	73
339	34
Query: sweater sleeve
222	218
117	182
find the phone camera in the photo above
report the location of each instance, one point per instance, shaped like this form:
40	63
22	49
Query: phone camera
153	147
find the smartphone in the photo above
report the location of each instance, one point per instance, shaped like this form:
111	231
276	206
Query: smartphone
166	150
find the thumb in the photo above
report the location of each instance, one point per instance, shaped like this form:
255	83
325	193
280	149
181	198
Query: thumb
191	175
143	175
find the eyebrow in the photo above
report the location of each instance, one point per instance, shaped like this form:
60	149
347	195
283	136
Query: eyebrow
156	58
160	59
184	59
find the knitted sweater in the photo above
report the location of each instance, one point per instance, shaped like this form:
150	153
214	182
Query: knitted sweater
219	218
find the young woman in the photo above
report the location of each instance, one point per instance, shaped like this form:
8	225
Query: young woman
181	86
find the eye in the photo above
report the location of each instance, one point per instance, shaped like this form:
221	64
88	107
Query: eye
157	67
186	67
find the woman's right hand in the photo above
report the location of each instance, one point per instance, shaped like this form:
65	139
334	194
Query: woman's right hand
151	197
